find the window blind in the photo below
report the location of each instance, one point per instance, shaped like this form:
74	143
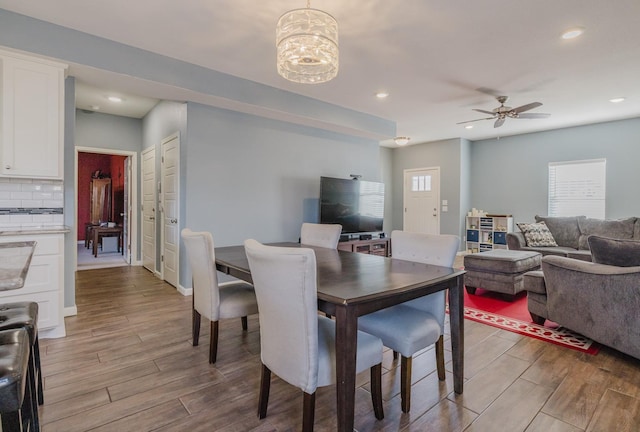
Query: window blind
577	188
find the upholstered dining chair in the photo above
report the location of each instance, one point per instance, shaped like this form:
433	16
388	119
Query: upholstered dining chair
296	343
416	324
214	301
321	235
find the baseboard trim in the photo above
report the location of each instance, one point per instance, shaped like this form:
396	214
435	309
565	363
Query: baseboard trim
185	291
70	311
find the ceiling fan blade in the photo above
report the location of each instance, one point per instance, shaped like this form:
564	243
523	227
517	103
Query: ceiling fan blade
469	121
484	111
498	123
533	115
526	107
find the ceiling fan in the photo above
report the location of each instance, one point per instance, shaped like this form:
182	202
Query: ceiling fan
501	113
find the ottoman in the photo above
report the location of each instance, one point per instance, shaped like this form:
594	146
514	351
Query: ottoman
499	270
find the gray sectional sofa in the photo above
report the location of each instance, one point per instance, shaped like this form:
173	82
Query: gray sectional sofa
571	234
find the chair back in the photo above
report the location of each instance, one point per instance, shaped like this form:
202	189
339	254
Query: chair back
435	249
200	254
285	283
321	235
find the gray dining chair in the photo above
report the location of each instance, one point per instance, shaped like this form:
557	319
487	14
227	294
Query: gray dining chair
417	324
214	301
296	343
321	235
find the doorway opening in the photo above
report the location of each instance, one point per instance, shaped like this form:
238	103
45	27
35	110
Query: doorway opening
106	208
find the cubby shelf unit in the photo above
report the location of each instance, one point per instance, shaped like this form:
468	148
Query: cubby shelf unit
485	233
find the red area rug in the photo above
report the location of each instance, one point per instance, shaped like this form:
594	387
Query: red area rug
488	308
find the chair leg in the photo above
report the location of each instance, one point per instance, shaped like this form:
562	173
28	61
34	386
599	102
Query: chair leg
195	326
265	385
405	383
376	390
308	411
440	357
213	343
245	326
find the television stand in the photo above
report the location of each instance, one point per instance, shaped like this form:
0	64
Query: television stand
379	246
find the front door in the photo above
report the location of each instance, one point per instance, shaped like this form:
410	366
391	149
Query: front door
421	198
170	208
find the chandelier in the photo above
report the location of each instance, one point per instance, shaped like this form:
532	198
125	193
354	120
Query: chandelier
307	46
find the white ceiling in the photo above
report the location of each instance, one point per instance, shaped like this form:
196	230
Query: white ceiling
437	59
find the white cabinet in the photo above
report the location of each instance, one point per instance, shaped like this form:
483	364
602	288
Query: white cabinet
32	119
44	283
485	233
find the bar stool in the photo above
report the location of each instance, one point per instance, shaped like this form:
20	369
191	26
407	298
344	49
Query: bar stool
25	315
18	407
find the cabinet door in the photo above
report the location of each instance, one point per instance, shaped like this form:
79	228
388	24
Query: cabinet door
32	112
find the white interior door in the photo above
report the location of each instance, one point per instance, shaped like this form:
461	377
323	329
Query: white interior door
149	209
421	198
170	178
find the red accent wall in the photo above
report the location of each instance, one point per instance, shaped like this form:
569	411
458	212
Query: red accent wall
88	163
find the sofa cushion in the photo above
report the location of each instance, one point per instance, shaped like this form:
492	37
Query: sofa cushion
537	234
615	252
619	229
565	230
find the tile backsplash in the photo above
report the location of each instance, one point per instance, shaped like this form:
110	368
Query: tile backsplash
31	202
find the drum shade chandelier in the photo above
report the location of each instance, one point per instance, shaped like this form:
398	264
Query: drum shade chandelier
307	46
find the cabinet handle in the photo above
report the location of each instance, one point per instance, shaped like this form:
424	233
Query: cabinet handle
174	221
7	166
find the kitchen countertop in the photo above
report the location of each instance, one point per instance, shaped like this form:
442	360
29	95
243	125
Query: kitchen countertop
15	258
42	229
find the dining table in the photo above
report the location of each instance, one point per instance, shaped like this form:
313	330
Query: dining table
350	285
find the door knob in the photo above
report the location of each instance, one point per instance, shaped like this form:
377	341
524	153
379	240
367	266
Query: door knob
152	218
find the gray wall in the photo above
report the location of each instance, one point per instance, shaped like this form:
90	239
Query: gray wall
510	175
165	119
69	192
249	177
444	154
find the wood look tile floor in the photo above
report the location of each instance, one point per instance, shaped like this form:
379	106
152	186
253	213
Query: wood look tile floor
127	364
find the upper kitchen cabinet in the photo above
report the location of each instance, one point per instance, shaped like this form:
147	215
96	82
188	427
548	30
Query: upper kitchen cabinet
32	119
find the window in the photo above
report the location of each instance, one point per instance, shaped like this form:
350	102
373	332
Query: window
421	183
577	188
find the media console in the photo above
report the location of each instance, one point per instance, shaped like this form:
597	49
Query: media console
379	246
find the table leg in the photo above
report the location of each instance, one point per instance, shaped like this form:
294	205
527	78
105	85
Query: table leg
456	315
95	242
346	349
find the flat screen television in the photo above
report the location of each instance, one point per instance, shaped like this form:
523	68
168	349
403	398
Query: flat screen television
357	205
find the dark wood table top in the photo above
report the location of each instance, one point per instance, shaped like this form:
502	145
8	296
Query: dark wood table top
351	278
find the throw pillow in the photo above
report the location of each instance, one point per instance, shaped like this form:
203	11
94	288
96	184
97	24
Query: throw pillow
615	252
537	234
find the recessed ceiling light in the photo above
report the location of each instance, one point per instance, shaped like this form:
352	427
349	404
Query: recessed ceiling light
573	33
115	99
617	100
468	127
382	95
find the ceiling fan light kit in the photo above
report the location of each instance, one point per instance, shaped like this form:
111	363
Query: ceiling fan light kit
307	46
503	112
